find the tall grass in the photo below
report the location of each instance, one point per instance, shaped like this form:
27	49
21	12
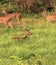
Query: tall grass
39	49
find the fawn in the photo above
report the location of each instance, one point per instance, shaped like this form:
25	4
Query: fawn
5	19
49	18
27	34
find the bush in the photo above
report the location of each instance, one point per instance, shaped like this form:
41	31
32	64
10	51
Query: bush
32	6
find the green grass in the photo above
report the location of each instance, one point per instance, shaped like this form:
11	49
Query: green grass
39	49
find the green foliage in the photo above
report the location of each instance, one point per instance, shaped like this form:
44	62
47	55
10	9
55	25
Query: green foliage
33	6
39	49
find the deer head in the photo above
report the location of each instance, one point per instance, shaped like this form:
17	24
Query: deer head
4	12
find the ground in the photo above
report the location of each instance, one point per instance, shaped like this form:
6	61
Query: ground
39	49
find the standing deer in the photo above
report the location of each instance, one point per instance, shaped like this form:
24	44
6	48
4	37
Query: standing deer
5	19
49	18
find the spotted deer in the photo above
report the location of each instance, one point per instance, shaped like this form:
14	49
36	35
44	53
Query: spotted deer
49	18
6	19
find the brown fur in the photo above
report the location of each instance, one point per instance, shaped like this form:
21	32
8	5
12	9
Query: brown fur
16	37
49	17
26	35
5	19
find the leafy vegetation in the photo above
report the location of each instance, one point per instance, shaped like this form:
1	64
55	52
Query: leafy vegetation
39	49
33	6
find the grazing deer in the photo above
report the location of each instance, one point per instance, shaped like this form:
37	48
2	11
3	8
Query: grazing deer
5	19
49	17
26	35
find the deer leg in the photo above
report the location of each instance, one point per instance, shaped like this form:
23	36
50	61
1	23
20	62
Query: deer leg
18	22
5	23
10	25
18	19
48	21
